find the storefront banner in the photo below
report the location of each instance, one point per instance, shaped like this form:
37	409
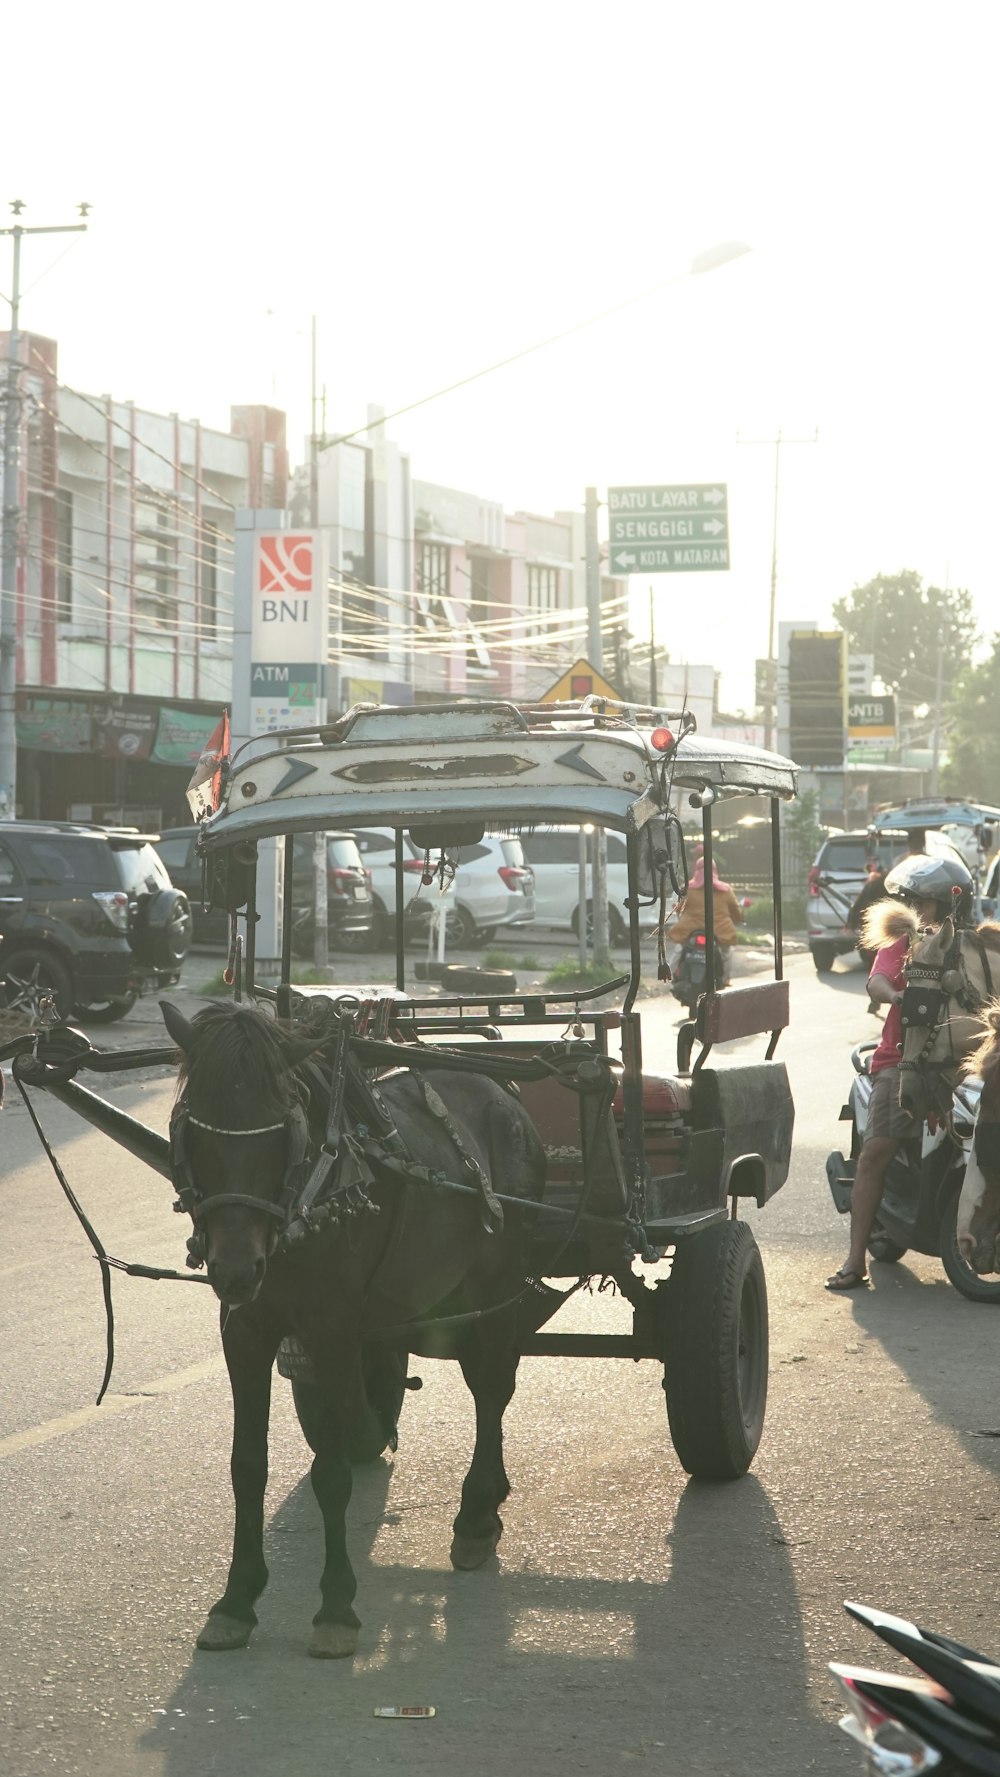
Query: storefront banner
125	734
182	736
46	726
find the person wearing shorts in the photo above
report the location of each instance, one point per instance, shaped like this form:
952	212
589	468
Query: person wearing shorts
887	1125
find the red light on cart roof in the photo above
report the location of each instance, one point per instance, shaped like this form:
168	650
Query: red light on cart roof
662	739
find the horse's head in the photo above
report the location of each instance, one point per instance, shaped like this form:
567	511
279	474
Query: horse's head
238	1135
946	986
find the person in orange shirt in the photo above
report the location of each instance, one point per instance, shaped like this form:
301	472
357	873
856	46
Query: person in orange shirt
726	910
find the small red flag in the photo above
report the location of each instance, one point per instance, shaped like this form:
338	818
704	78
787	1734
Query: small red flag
204	792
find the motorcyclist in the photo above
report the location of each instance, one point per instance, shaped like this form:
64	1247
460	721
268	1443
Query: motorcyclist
727	914
934	888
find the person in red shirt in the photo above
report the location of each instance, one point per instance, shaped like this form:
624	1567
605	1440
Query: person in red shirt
887	1124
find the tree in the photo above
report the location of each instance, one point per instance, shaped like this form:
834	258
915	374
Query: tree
905	625
973	767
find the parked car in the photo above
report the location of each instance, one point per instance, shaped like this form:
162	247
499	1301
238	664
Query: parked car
554	856
176	850
88	915
836	879
348	890
494	886
349	900
377	846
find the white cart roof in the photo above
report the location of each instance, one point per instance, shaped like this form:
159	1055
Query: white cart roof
496	763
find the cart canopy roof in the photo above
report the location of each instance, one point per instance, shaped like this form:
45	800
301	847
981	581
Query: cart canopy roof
929	813
496	763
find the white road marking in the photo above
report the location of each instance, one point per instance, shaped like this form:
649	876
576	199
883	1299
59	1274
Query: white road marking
112	1404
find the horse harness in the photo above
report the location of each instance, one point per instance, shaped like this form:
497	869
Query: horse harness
324	1185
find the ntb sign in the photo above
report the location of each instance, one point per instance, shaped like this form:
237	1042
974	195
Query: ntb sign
290	604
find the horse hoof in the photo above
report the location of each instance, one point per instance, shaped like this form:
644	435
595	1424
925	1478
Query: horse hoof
333	1641
222	1633
468	1552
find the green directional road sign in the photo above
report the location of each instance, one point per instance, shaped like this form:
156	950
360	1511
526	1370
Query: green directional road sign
668	530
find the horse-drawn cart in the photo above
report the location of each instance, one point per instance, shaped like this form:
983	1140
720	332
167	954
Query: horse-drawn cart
511	1086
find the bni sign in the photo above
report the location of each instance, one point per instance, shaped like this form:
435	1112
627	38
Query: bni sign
668	530
289	631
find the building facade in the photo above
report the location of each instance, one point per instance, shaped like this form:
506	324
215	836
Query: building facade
124	591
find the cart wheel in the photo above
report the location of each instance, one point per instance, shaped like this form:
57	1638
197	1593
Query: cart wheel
375	1428
715	1358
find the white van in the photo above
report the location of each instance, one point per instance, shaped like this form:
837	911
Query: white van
554	856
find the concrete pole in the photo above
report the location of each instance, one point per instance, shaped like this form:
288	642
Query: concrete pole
11	529
321	884
13	516
595	654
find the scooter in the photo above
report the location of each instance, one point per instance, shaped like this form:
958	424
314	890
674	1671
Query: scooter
919	1205
947	1722
690	971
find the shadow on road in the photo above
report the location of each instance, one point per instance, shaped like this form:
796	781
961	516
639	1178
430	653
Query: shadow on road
944	1345
699	1671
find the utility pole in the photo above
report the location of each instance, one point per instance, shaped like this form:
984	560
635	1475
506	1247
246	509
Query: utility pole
321	885
770	707
938	698
12	514
652	654
595	654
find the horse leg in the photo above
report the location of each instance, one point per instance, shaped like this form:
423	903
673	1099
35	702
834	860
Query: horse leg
249	1352
335	1626
489	1360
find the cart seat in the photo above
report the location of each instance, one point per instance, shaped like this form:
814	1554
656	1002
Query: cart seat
663	1095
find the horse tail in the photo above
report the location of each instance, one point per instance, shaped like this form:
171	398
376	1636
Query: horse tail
886	921
985	1058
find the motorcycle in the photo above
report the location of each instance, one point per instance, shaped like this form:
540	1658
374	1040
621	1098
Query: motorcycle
919	1204
948	1721
689	973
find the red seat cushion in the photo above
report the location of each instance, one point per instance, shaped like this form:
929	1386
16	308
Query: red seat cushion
662	1096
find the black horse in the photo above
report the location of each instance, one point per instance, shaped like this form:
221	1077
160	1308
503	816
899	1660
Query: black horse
382	1244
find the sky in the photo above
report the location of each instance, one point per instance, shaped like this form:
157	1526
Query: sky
442	186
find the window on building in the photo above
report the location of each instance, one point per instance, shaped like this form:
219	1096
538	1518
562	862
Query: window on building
209	565
432	586
543	597
64	555
155	566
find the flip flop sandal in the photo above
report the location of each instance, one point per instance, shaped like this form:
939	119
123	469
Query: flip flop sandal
848	1280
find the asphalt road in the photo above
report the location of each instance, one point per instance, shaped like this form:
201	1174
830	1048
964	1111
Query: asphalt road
634	1620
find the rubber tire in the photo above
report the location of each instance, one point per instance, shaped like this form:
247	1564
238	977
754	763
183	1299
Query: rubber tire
52	974
617	929
375	1430
883	1250
161	937
465	978
824	956
967	1282
463	931
716	1351
107	1011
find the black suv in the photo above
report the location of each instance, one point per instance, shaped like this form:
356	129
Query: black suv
89	916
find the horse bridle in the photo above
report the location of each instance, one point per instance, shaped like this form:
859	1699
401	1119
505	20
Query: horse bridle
191	1201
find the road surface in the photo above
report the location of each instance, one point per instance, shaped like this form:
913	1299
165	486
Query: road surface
633	1622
